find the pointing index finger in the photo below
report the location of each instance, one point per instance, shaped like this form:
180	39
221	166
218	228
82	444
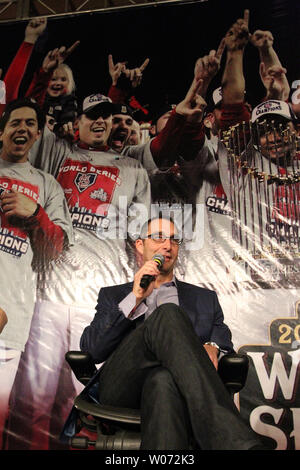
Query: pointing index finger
72	48
144	65
220	49
246	17
110	62
194	88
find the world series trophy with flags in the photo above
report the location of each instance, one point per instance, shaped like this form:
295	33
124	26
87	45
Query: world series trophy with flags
261	176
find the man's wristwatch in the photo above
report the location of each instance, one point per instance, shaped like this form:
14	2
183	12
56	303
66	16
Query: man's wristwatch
211	343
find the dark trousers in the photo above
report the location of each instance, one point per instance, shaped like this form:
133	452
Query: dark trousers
162	368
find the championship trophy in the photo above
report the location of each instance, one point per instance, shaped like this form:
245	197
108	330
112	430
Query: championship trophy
262	180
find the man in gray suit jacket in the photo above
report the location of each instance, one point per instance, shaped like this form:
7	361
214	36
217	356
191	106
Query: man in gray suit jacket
160	344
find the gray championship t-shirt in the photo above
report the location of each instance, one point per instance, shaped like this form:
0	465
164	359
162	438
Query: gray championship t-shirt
17	278
104	191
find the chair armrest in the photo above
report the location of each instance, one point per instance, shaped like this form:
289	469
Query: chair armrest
82	364
233	370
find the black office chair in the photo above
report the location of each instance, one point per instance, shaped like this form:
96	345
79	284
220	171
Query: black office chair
113	428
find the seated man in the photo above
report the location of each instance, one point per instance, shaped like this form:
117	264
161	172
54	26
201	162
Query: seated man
35	227
161	345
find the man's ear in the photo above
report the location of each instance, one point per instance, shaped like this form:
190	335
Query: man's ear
37	136
75	124
139	246
139	252
209	120
152	130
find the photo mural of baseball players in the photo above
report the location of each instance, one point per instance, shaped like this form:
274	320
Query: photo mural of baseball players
261	181
103	190
249	307
209	253
227	107
262	184
35	226
17	68
179	133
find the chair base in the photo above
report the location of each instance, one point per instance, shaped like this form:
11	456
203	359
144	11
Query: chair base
102	435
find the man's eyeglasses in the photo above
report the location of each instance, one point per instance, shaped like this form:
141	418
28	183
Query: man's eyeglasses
160	238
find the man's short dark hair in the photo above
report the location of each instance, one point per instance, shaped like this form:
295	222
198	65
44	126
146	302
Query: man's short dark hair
159	216
158	113
22	103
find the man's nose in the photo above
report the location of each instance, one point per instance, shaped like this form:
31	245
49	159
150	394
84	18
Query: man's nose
22	127
167	244
274	136
99	119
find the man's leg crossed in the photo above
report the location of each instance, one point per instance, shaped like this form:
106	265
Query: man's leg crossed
167	339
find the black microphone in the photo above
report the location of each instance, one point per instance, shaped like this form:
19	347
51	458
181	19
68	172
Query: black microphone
148	278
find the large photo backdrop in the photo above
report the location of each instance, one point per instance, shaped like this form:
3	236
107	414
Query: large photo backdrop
235	196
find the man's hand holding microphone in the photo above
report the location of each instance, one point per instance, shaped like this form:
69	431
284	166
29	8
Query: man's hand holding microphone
144	279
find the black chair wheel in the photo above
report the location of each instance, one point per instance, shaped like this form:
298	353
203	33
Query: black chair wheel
79	442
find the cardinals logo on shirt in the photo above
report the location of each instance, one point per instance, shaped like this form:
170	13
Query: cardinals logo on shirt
84	181
89	191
